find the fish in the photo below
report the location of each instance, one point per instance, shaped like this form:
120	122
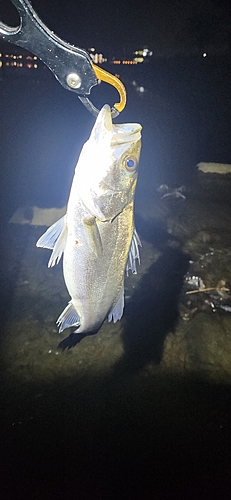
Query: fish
97	236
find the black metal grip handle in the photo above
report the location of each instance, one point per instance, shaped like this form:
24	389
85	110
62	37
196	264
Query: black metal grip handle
69	64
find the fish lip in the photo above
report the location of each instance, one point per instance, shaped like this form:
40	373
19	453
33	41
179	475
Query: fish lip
105	117
108	118
132	128
128	132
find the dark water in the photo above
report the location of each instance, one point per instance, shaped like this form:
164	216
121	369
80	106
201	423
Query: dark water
109	420
185	113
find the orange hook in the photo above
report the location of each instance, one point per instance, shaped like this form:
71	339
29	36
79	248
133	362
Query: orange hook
107	77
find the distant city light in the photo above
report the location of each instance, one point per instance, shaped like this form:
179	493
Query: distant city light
143	52
29	61
140	89
138	59
18	61
98	58
129	62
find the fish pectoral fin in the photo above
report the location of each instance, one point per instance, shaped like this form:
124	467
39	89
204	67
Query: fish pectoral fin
116	312
55	239
93	236
69	317
133	253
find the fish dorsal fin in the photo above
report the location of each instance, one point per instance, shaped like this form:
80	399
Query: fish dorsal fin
69	317
55	239
116	312
133	253
93	236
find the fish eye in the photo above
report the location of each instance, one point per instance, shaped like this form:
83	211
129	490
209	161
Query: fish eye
130	163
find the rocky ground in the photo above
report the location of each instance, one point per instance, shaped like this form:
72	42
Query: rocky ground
147	400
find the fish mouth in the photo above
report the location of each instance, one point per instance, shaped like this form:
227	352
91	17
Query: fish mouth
126	132
122	133
128	128
131	135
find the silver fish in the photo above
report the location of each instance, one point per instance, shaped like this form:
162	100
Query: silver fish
97	236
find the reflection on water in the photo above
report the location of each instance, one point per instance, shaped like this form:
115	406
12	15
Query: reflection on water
143	407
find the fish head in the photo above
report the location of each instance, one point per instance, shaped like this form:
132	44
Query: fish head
106	173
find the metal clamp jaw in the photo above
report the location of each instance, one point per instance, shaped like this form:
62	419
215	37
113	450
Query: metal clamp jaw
71	66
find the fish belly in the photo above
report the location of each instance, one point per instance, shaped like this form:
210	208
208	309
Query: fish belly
95	283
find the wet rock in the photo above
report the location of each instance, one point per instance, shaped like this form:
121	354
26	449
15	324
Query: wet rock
208	344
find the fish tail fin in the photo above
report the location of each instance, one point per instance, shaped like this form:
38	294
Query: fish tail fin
55	239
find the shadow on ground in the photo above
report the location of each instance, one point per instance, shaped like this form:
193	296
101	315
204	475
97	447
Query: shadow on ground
153	311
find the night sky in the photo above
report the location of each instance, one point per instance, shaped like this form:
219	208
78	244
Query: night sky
164	26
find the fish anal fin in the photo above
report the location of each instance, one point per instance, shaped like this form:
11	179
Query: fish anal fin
69	317
55	239
116	312
93	236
